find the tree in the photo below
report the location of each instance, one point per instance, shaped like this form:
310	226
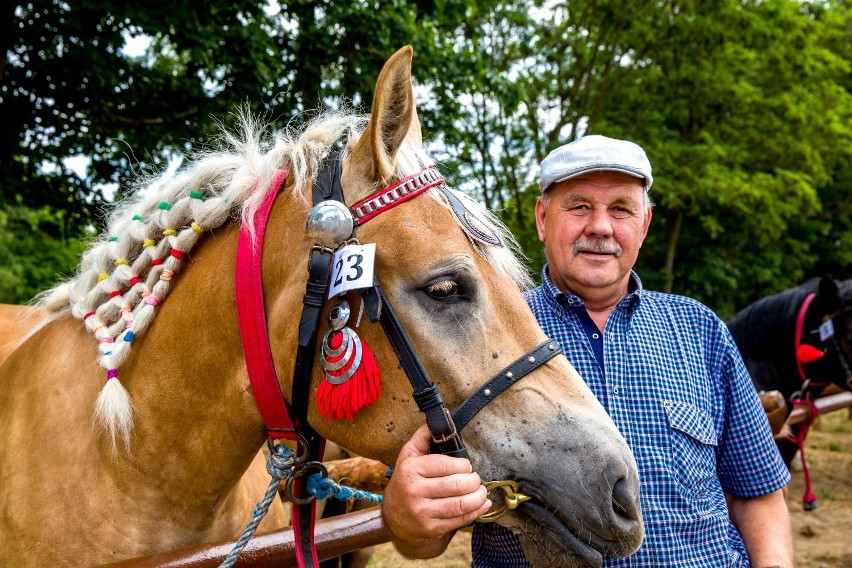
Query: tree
68	90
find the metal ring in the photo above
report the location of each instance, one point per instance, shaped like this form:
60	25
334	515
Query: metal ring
301	472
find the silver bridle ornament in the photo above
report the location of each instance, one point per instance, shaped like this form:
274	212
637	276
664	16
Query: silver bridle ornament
329	224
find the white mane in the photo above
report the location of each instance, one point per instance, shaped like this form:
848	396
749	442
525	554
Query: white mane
128	271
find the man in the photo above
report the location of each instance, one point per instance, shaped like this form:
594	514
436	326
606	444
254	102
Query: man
665	369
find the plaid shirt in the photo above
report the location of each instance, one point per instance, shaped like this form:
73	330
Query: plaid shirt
676	387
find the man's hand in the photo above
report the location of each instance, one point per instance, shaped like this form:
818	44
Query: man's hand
428	497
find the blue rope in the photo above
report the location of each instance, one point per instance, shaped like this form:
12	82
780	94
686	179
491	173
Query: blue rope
280	465
325	488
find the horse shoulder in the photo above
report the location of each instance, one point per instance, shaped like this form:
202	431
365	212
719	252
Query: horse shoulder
17	323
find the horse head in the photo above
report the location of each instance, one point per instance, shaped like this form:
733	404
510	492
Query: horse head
454	283
825	354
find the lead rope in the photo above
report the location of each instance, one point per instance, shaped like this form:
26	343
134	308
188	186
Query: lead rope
280	464
809	500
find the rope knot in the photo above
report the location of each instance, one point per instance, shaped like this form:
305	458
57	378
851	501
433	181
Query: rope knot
280	462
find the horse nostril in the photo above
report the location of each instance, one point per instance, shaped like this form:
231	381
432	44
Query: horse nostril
623	500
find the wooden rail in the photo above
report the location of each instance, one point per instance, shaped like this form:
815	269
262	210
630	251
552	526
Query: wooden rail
333	537
824	404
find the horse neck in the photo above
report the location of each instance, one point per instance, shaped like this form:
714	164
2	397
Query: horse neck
197	424
765	335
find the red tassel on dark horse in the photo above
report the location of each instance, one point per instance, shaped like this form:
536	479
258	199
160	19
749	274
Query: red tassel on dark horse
352	378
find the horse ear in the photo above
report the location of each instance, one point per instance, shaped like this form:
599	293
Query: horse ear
393	120
829	294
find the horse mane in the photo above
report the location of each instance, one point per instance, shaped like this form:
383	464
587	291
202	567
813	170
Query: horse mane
128	270
768	323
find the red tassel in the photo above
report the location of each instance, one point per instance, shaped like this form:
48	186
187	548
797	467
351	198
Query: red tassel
342	402
808	353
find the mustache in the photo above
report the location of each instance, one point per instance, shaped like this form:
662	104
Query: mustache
585	244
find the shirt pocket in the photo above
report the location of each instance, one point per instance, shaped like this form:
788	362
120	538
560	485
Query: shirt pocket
693	442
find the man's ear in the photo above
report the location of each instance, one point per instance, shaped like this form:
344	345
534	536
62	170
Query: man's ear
540	212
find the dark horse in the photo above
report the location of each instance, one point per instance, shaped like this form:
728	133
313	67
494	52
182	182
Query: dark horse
798	342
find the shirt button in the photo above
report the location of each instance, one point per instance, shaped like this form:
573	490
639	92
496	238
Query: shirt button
570	300
595	336
615	390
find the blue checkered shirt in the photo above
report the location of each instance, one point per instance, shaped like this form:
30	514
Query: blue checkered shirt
675	385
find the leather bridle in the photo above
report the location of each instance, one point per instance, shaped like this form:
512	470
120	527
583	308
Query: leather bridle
289	422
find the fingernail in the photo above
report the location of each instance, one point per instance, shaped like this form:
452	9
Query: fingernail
488	504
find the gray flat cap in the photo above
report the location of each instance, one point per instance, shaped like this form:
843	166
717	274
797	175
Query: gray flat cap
595	153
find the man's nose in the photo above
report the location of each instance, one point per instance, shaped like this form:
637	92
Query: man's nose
599	224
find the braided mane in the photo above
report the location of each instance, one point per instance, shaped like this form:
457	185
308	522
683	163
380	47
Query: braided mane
128	271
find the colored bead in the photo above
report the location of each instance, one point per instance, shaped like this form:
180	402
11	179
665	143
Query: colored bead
113	239
102	277
137	217
121	261
197	228
196	195
115	293
129	336
169	233
178	254
112	373
105	340
152	300
165	206
135	280
88	315
156	261
148	242
166	274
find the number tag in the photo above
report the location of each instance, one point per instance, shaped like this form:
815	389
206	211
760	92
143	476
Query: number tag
826	330
353	268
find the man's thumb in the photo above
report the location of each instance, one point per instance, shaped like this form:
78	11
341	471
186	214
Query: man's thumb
418	445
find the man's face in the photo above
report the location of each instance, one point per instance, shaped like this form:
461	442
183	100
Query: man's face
592	229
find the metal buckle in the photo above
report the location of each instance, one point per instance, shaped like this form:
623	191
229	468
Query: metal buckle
510	501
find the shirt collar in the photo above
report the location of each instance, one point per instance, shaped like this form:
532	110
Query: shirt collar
634	291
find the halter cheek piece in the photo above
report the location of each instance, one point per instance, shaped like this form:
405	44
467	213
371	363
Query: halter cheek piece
331	224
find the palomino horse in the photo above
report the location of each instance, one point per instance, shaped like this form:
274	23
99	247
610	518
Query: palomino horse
176	468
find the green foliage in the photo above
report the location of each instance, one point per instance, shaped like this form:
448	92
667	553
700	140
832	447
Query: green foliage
33	253
744	107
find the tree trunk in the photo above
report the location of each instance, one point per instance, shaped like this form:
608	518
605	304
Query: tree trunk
674	222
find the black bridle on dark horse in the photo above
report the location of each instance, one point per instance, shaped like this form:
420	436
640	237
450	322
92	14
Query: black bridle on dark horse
811	389
330	216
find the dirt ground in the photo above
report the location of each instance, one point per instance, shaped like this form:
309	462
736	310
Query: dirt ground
823	537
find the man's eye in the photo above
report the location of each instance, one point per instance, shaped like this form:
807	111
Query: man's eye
620	212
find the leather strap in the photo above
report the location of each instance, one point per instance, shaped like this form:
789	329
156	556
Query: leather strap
251	316
800	325
516	371
445	436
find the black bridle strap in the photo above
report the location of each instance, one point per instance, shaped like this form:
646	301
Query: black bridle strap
516	371
445	436
326	186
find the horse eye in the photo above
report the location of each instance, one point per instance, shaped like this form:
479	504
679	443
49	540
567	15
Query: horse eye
443	289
